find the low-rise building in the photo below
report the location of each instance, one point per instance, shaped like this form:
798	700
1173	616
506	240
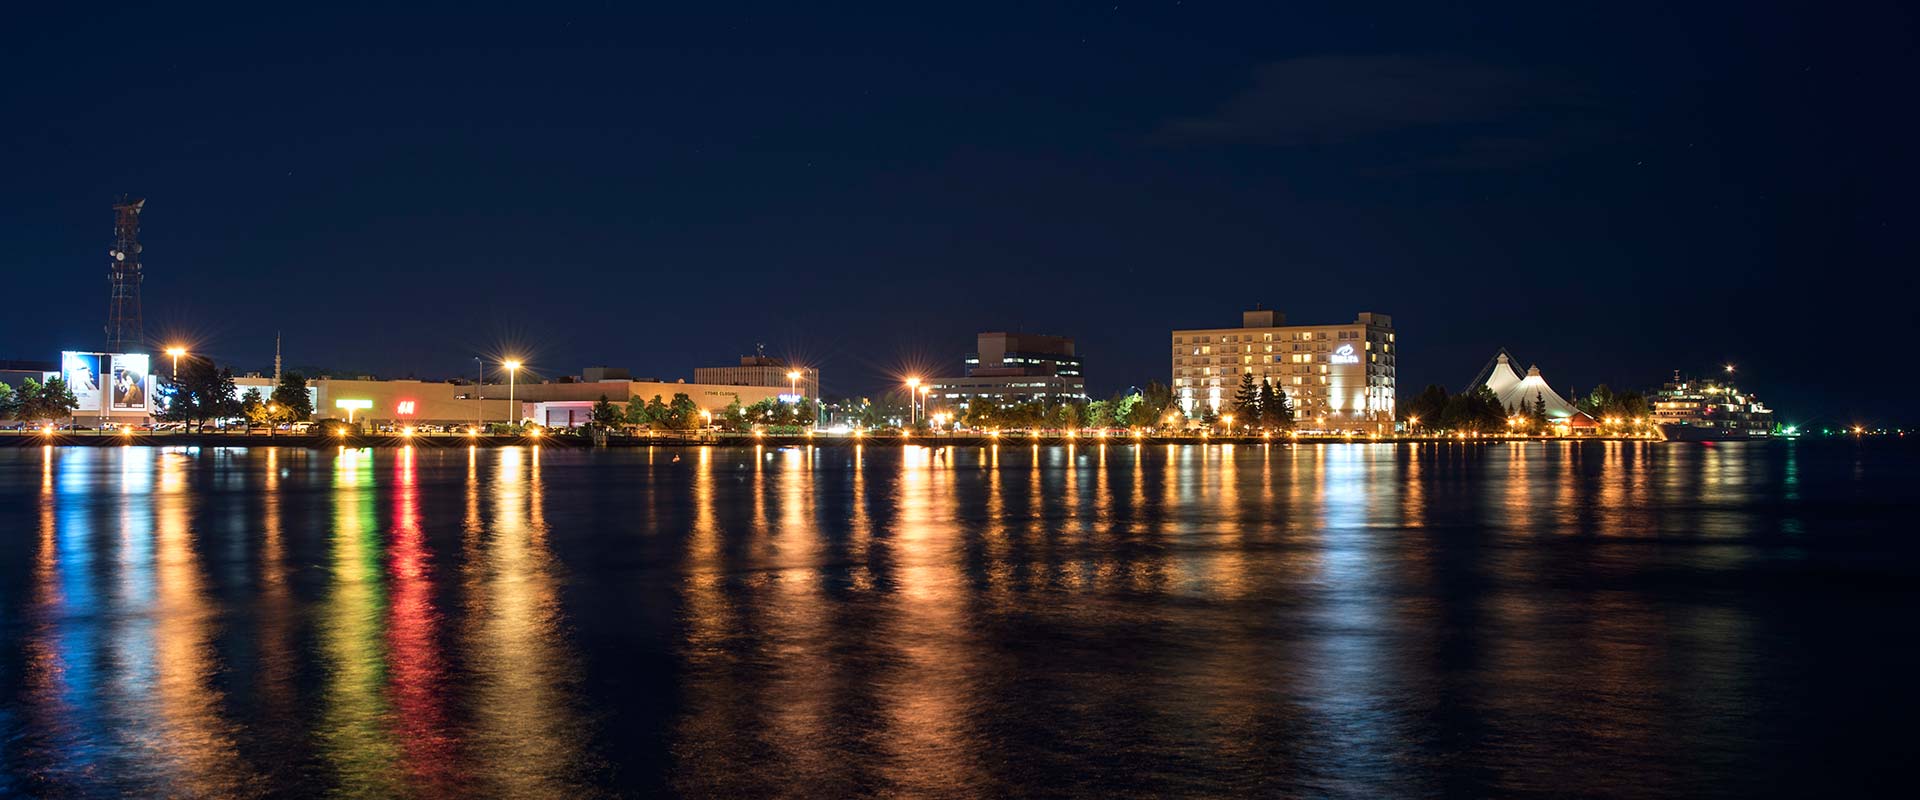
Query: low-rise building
1338	377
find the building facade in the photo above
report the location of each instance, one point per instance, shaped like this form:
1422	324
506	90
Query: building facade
762	371
1013	368
1338	377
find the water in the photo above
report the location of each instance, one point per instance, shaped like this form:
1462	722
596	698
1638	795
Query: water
1340	620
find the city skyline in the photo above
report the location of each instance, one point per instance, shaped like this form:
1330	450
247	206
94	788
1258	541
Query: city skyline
398	200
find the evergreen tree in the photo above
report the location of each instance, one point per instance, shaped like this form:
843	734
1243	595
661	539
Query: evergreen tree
1246	400
1276	410
605	415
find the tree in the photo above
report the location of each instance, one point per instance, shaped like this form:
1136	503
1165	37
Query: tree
1066	416
605	415
202	393
1100	414
1539	410
43	402
1246	400
254	408
1430	406
1276	410
682	413
1474	411
290	398
1157	398
8	401
1597	400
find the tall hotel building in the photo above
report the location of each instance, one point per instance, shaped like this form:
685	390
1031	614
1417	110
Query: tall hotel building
1338	377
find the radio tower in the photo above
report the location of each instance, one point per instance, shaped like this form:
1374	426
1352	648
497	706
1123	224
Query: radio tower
126	329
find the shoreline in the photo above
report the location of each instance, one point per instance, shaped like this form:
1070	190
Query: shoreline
26	440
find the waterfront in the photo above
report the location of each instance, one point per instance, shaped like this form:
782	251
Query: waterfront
1618	618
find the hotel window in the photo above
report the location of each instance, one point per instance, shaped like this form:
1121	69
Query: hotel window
1297	380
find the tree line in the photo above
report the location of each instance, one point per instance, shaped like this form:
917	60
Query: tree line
1142	409
203	393
1261	405
1478	410
36	402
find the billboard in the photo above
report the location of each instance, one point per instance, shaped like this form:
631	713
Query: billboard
130	388
82	372
111	382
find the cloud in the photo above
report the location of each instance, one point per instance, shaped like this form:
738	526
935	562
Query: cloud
1458	113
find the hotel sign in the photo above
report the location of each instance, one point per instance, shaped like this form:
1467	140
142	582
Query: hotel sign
1344	355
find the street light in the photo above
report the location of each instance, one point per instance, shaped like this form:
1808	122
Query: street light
793	385
176	352
913	392
1729	369
513	370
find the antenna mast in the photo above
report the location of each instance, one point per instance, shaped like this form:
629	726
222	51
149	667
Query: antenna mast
126	328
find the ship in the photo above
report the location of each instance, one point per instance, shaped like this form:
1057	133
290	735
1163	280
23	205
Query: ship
1695	410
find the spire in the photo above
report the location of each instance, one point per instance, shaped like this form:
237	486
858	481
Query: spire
276	358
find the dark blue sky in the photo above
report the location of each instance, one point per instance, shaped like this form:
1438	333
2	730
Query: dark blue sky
1612	190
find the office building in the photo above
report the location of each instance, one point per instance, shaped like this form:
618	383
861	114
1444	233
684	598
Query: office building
1013	368
762	370
1338	377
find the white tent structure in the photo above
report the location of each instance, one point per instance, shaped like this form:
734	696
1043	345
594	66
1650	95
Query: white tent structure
1520	393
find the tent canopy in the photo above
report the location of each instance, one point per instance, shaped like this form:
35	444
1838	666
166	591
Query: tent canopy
1520	393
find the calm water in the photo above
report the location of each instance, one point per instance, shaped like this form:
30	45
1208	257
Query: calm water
1347	620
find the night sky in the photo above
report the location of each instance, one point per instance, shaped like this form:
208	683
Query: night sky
1611	191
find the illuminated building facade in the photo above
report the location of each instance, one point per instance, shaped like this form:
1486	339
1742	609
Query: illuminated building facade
762	370
1014	368
1338	377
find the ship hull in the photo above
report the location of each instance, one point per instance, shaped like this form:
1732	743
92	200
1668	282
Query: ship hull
1698	433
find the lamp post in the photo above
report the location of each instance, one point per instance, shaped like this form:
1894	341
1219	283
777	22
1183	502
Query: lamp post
913	393
273	418
793	385
513	370
176	353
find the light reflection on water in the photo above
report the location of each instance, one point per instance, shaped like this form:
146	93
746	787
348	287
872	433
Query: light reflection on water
1091	618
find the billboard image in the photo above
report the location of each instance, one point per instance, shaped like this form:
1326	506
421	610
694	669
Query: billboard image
82	371
130	387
